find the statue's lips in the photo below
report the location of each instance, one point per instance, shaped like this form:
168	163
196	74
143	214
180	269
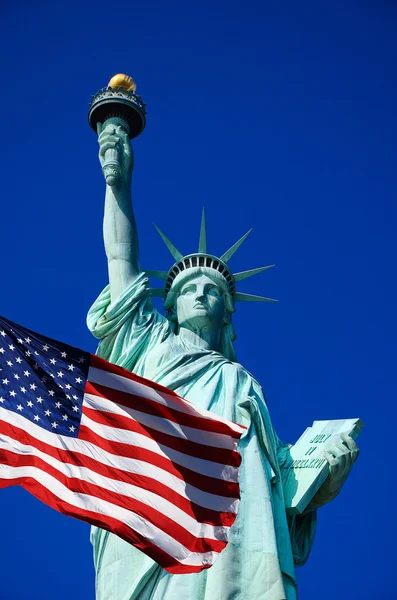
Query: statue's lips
202	306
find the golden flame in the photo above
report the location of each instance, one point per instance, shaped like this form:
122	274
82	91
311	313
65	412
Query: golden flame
122	81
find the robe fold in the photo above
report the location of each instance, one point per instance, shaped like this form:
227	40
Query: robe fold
258	562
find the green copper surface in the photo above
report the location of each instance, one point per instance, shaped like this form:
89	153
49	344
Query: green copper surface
229	253
202	247
174	251
190	350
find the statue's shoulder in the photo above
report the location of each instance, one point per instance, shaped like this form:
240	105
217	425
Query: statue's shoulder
236	369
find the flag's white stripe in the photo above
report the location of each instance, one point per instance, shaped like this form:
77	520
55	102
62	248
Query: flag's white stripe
200	436
101	507
202	498
163	506
199	465
123	384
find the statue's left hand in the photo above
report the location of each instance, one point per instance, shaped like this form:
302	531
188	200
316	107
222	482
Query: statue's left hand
341	457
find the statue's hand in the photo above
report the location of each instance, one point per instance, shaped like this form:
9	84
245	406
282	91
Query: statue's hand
114	137
341	457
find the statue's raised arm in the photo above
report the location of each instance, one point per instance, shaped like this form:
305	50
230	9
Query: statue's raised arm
117	114
119	226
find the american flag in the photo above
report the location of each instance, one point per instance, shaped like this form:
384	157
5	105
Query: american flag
96	442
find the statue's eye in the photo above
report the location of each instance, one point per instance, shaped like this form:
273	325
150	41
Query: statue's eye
188	289
213	291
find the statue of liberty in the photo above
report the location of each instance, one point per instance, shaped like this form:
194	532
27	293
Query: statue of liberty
190	350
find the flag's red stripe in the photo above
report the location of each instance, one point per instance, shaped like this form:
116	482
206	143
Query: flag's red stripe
201	514
151	407
218	455
166	561
145	511
104	365
185	405
220	487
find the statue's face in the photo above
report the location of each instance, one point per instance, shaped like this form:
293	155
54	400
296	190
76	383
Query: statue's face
200	304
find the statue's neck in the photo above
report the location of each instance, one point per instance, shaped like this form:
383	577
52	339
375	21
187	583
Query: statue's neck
202	338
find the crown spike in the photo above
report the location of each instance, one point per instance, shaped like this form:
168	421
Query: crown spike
174	251
157	292
245	274
240	297
228	255
158	274
202	248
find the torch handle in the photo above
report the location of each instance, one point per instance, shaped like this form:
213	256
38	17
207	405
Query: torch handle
112	166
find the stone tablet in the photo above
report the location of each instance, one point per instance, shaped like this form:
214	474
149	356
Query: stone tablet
306	469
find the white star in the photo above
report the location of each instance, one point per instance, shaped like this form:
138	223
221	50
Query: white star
52	375
30	404
47	412
54	425
20	341
11	347
23	390
3	333
19	360
78	380
12	393
5	381
67	396
28	353
75	397
72	428
2	351
71	367
60	374
68	386
51	392
75	408
9	363
58	404
65	417
16	376
28	340
63	354
82	360
36	367
2	399
36	418
19	407
52	361
45	348
26	373
44	379
39	399
36	353
33	386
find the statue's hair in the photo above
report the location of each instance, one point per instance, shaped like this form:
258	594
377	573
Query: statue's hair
227	335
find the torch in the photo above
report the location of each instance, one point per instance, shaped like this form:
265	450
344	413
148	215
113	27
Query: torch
117	104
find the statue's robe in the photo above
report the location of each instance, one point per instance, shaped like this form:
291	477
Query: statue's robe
258	562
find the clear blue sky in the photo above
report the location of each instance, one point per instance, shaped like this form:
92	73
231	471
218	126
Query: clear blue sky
277	115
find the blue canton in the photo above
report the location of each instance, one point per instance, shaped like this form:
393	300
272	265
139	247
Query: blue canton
42	379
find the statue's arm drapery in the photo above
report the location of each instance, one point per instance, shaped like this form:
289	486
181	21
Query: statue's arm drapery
297	533
302	527
128	326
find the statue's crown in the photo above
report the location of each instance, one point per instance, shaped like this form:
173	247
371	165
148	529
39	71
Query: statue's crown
202	259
